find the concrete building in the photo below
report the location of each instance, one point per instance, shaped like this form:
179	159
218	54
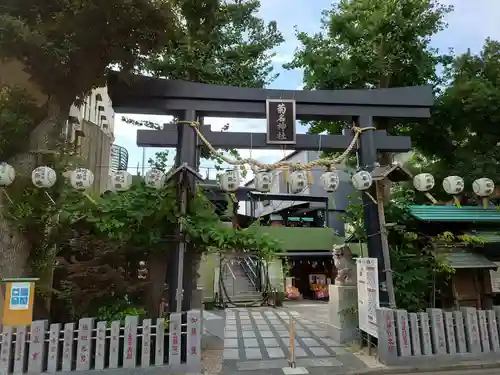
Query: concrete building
118	159
337	202
91	127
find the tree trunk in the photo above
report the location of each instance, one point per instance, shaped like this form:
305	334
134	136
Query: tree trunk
15	249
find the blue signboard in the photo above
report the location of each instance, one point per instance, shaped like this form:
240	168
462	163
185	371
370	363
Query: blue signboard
20	296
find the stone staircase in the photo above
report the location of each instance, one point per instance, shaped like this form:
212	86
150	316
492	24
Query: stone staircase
239	286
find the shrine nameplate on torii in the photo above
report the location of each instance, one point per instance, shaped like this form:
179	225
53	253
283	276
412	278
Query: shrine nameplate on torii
189	101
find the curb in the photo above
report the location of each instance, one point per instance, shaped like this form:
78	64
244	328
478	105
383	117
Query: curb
416	369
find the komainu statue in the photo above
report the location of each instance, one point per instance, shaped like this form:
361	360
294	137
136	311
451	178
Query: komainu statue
346	266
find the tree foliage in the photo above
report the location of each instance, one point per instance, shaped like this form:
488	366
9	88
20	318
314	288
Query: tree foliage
67	46
464	120
109	236
34	211
142	217
66	49
94	272
18	114
220	42
419	273
371	44
224	43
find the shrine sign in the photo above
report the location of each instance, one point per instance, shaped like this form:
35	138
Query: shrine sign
281	121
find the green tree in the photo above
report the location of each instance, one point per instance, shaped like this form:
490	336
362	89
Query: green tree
464	137
65	57
222	43
58	51
371	44
420	273
228	45
137	226
463	124
160	161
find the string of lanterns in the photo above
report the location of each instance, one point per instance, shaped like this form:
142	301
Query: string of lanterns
297	181
81	179
298	174
455	185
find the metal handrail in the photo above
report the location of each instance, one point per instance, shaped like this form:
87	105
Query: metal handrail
252	279
250	267
233	276
231	270
253	276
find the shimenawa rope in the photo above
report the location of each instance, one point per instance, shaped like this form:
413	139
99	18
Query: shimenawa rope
255	164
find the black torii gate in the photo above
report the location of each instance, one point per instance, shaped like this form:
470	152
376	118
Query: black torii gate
189	101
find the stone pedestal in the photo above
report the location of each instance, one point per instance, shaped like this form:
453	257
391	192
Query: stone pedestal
343	325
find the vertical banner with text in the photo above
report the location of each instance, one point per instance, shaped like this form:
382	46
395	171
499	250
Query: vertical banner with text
368	298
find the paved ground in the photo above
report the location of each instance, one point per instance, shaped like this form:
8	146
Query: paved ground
316	311
258	340
464	372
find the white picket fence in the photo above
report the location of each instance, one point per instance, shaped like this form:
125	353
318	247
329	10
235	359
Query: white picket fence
103	345
405	337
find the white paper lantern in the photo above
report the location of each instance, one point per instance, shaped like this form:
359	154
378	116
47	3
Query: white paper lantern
423	182
483	187
81	179
43	177
230	180
7	174
263	181
298	182
453	185
330	181
362	180
155	178
122	181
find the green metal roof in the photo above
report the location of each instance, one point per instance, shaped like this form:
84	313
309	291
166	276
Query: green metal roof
304	219
303	238
463	259
469	214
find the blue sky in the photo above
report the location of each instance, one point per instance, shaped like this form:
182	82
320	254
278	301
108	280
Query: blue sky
469	25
